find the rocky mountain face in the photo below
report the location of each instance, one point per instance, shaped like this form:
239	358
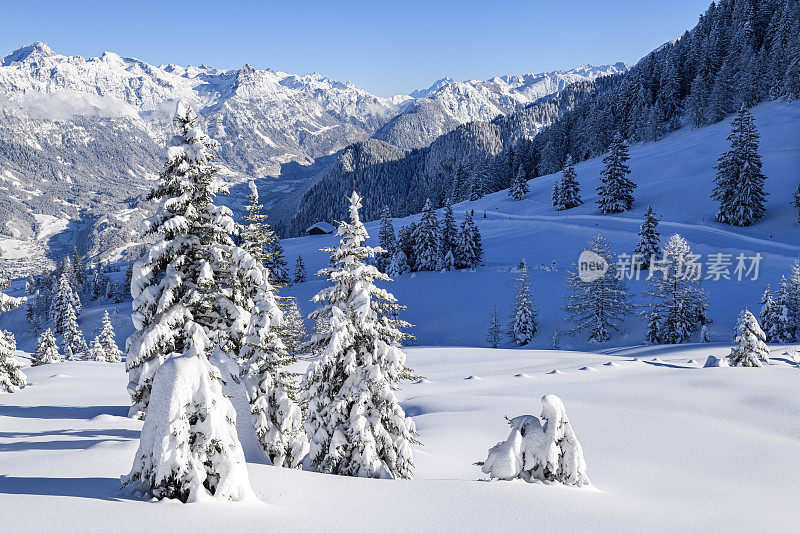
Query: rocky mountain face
448	103
81	139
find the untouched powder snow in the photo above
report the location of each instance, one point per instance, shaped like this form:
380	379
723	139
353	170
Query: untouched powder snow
668	445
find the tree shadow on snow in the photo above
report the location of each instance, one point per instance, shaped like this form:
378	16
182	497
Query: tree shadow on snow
83	433
96	488
60	411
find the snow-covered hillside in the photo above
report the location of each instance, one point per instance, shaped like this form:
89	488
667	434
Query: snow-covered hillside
668	446
674	175
448	103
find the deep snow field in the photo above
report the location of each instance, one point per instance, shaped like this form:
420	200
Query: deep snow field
669	445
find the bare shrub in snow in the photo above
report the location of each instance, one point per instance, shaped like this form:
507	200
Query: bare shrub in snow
534	451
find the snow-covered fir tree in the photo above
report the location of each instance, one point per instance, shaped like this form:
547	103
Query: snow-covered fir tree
426	240
111	352
193	284
494	334
766	315
398	265
796	202
256	234
523	318
74	342
65	297
739	181
276	264
96	352
449	261
616	192
597	306
46	350
779	326
100	281
449	231
676	293
469	248
293	330
300	275
749	345
649	247
387	241
189	449
569	192
277	417
556	196
355	422
12	378
652	333
519	185
705	334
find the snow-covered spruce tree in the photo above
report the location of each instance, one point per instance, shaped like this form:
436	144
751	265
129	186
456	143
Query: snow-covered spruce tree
300	275
111	351
12	378
494	335
569	193
354	422
74	341
676	293
449	231
78	270
189	449
616	192
293	330
749	345
652	335
469	249
193	275
793	300
277	418
276	264
100	281
796	202
426	240
523	320
779	327
556	197
705	334
46	350
256	235
387	241
449	261
398	265
600	305
767	313
739	181
96	351
649	247
539	452
64	298
519	185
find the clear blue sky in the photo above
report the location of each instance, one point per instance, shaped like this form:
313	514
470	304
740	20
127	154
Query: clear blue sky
386	47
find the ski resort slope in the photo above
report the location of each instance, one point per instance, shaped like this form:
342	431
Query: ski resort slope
669	446
674	175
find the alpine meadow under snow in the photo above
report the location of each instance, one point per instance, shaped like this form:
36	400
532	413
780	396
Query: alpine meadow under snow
567	301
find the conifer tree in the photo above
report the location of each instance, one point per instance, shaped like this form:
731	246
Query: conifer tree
193	285
649	247
74	341
276	264
293	330
767	314
426	240
523	321
469	249
46	350
705	335
616	191
449	231
676	293
111	352
449	261
653	325
300	275
569	193
12	378
779	327
739	181
386	240
355	422
399	264
277	417
65	298
78	270
556	198
599	305
519	185
256	235
494	335
796	202
749	346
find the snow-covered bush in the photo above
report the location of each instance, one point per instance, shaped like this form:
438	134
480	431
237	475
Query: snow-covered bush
533	451
189	449
749	346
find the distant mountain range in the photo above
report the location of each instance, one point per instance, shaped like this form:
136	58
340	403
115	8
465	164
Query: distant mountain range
82	138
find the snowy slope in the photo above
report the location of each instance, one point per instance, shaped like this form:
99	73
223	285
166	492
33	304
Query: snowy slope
720	437
674	175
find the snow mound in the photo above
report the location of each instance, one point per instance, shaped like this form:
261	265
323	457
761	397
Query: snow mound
715	362
521	375
473	378
61	376
691	362
588	368
534	451
422	381
555	371
611	364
